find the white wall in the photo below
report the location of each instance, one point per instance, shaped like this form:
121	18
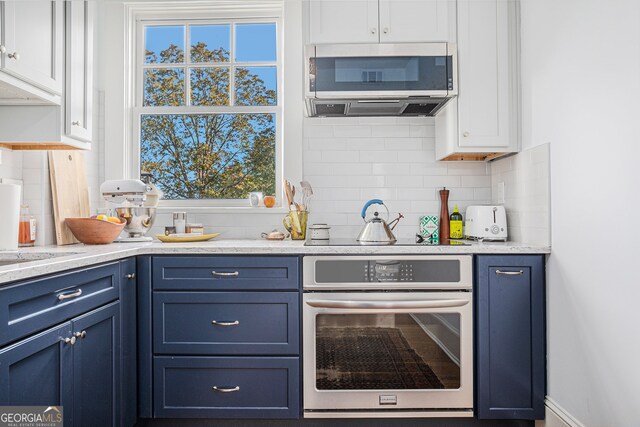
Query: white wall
581	93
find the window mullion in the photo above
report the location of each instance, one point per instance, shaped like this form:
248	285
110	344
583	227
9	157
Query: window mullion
187	63
232	73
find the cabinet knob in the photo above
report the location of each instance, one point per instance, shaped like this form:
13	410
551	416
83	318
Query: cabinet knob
2	48
70	341
80	335
131	276
76	123
385	30
465	134
15	56
373	30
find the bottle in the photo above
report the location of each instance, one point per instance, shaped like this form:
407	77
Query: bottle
180	222
455	224
444	217
27	228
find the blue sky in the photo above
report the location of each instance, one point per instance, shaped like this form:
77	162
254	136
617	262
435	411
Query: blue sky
254	42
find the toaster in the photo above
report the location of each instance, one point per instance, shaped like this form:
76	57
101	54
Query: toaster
486	223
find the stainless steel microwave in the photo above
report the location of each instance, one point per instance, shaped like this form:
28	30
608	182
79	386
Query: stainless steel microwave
411	79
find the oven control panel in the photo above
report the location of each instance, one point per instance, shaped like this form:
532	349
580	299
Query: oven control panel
388	272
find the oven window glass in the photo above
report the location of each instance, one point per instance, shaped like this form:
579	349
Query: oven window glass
388	351
344	74
377	271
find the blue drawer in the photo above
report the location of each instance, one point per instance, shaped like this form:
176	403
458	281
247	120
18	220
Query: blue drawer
213	273
222	323
248	387
30	306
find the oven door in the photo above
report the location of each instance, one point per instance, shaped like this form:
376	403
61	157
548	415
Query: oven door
381	351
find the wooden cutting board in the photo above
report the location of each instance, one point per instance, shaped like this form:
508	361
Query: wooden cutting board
69	191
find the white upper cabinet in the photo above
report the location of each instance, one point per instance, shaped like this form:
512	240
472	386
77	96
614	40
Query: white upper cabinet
381	21
483	119
79	70
348	21
32	43
404	21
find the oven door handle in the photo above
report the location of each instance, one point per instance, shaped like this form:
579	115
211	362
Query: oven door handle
441	303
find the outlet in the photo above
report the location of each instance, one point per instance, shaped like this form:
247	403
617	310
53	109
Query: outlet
501	192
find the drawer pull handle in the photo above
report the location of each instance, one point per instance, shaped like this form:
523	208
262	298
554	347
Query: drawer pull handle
225	274
68	295
510	273
223	323
80	335
226	389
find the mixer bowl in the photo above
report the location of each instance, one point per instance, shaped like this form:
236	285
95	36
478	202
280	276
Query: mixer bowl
138	219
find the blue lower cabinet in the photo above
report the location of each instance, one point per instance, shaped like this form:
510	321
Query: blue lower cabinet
225	387
510	337
35	372
96	368
221	323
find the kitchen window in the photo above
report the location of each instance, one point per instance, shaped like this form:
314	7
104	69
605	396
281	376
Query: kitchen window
208	110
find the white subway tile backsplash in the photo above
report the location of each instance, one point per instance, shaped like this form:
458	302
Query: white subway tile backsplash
395	131
417	156
442	181
352	131
526	194
389	169
476	181
395	162
378	156
340	156
403	143
403	181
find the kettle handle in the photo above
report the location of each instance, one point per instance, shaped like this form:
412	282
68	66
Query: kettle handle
369	203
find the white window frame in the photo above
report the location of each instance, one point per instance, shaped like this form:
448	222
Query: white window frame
218	12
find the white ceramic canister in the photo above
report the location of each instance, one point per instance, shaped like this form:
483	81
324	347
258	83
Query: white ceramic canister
9	216
319	231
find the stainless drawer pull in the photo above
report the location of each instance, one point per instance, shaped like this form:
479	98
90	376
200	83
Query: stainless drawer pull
225	274
80	335
225	389
222	323
510	273
68	295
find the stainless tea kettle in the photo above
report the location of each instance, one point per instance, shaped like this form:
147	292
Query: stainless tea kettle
376	231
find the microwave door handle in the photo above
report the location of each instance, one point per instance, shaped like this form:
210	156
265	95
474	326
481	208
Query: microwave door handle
366	305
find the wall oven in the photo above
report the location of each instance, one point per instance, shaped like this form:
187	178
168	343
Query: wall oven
388	336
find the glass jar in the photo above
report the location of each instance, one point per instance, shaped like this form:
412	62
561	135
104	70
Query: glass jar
27	229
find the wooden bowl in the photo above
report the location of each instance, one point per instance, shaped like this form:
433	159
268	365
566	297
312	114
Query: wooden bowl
93	231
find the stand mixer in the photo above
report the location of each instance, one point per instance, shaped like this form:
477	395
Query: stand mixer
128	197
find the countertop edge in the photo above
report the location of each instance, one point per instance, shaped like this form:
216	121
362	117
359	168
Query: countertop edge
79	256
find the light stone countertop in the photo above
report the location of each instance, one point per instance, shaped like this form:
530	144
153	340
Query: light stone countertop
51	259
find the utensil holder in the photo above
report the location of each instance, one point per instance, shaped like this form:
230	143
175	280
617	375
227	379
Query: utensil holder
296	223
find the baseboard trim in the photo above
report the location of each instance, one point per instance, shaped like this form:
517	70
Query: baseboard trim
560	413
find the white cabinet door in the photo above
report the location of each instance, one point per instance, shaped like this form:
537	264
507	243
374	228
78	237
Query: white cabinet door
410	21
33	33
485	74
79	75
343	21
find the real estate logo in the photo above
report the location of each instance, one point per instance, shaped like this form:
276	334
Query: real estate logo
31	416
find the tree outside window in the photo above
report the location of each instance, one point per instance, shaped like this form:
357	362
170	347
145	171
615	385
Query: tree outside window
219	145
